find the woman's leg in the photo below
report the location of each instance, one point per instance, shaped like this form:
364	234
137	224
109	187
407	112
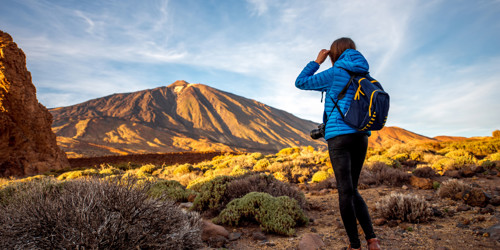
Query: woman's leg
338	148
358	154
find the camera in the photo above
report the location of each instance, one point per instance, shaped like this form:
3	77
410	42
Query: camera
319	132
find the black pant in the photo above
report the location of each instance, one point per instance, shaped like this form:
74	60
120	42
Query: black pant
347	154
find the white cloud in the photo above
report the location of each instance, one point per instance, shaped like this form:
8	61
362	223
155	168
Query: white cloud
258	7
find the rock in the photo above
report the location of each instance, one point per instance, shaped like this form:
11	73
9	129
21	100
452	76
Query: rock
259	236
495	201
234	236
452	173
442	248
474	197
392	223
494	232
311	241
214	235
186	205
27	144
404	187
467	173
489	209
462	208
379	221
436	212
478	169
421	183
314	230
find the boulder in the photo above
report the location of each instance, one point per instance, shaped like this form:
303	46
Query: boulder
421	183
475	197
27	144
311	241
214	235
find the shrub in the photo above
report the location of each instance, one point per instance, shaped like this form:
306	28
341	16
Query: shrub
405	207
401	157
320	176
274	214
493	157
96	214
288	151
183	169
384	159
215	194
257	156
148	168
496	134
425	172
444	164
261	165
110	171
383	174
461	157
450	188
170	189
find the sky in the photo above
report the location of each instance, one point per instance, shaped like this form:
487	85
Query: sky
438	60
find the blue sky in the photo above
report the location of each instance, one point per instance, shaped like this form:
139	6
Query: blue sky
439	60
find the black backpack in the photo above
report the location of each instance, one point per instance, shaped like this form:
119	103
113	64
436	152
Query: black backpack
370	105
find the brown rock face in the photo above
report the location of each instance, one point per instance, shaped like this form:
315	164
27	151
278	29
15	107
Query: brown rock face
27	143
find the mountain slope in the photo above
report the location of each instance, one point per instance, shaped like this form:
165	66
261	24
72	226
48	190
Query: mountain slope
395	135
179	117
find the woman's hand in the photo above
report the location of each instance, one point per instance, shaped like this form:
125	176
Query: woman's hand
323	54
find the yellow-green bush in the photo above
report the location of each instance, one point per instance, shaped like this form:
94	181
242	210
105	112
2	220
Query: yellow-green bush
257	156
274	214
443	165
261	165
401	157
169	189
70	175
148	168
288	151
320	176
183	169
384	159
238	170
110	171
461	157
493	157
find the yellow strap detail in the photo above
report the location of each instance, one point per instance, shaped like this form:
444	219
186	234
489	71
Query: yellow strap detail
374	81
357	96
370	107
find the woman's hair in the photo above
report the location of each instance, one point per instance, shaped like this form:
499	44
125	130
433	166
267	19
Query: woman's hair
339	46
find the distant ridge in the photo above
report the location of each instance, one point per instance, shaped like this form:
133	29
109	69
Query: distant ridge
179	117
395	135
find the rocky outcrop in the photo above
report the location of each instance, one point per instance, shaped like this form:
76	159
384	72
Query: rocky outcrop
27	143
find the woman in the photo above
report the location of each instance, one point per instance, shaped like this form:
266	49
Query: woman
346	146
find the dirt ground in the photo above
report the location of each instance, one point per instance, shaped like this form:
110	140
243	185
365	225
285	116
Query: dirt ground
455	230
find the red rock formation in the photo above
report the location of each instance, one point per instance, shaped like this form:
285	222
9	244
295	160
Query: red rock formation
27	143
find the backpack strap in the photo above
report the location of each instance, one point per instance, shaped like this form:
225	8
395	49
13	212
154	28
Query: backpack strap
341	96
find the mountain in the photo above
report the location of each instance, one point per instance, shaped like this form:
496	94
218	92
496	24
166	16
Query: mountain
175	118
395	135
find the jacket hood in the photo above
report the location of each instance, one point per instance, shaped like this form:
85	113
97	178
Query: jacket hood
353	61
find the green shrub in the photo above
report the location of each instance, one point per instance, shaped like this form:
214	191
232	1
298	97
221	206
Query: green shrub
443	165
215	194
170	189
405	207
320	176
274	214
380	174
238	170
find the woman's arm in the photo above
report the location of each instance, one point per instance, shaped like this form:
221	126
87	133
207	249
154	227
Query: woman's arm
307	80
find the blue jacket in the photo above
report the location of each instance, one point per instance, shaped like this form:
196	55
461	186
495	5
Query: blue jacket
332	81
